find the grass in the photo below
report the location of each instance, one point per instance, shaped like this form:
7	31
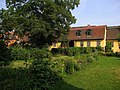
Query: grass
103	74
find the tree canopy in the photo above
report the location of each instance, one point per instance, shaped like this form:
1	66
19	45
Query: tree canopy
46	20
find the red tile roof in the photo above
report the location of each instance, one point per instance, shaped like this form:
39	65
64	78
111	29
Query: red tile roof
113	32
98	32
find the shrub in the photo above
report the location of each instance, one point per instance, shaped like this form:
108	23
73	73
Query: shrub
69	66
88	50
32	53
99	48
20	53
108	47
89	58
73	51
42	75
77	66
14	79
55	51
5	54
37	53
58	65
117	54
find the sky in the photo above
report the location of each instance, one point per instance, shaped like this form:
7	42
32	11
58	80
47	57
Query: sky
94	12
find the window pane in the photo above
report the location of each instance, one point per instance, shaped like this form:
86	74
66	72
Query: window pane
88	32
98	43
88	43
112	44
78	33
81	44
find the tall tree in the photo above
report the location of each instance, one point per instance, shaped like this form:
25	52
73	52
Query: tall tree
46	20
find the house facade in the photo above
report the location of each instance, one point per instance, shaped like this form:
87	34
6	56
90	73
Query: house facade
93	36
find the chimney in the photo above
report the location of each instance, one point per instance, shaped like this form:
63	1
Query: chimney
88	25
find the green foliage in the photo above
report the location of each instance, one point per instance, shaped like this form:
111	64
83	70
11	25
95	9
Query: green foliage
14	79
88	50
65	65
89	58
39	76
32	53
37	53
75	51
46	20
58	65
118	37
108	47
69	66
5	54
99	75
20	53
42	75
99	48
117	54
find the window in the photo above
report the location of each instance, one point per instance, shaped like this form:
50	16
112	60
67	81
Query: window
81	44
98	43
88	43
54	44
78	33
112	43
88	32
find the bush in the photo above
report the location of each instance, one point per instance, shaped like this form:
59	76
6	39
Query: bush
20	53
5	54
42	76
74	51
39	76
69	66
108	47
90	58
14	79
77	66
99	48
37	53
58	66
32	53
88	50
117	54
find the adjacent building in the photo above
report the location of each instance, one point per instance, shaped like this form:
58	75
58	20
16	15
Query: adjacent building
93	36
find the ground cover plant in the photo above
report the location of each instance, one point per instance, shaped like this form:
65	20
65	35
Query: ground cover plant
103	74
42	69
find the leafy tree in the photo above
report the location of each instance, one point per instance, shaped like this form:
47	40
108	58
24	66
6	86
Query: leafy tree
108	47
46	20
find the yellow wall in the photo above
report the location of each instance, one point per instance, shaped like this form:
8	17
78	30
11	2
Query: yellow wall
116	46
93	43
58	44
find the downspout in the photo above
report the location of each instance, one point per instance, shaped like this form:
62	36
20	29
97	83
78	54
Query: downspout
105	36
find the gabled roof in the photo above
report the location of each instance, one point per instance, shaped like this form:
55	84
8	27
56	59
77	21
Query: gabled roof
113	32
97	32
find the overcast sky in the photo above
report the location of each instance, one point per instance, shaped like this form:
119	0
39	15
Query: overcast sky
94	12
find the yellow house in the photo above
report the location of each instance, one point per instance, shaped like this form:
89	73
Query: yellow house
112	35
92	36
89	36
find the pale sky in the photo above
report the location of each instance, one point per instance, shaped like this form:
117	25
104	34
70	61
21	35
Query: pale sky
94	12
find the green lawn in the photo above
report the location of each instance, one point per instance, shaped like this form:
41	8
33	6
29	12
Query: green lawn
103	74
